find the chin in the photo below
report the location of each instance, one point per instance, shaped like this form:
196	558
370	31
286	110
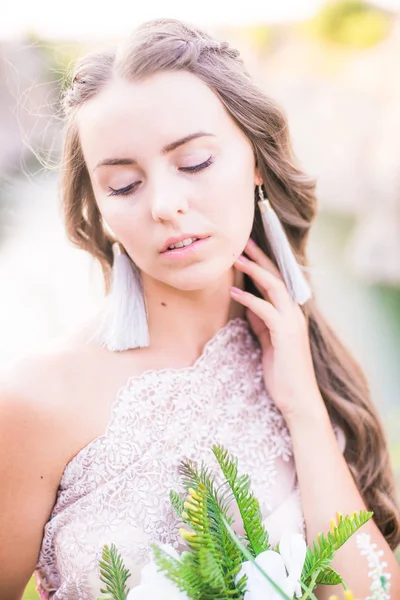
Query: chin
202	277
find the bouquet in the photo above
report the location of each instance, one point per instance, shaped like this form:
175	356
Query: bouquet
221	565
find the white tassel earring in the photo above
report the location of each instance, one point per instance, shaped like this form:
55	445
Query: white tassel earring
124	324
290	269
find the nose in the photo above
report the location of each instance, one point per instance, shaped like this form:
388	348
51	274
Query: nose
168	204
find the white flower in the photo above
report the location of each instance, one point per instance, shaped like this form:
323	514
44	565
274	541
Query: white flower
154	584
284	568
380	585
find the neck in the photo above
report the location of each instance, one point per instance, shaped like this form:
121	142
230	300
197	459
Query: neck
181	322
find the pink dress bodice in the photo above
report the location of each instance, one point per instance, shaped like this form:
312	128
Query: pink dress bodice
116	489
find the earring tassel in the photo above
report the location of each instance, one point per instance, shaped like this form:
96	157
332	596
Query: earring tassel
124	324
293	277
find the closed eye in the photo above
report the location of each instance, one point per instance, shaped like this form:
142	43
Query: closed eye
125	191
203	165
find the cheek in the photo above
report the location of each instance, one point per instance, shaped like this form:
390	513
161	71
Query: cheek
122	218
237	212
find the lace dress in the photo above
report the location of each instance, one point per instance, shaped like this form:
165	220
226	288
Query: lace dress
116	489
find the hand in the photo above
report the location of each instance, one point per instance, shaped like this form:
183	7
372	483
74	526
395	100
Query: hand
281	327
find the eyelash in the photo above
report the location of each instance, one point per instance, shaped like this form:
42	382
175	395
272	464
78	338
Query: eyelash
129	188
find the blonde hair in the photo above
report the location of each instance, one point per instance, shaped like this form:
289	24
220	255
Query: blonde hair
171	45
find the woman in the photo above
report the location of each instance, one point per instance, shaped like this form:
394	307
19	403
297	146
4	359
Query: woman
168	139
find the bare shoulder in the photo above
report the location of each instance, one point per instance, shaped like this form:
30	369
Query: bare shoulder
66	389
46	386
53	402
37	439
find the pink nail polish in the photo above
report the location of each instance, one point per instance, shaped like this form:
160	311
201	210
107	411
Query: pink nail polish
242	259
236	290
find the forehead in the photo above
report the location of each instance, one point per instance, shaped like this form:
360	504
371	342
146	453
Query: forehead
158	109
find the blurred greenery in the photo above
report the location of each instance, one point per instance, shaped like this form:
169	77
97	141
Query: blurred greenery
260	37
351	23
59	57
30	591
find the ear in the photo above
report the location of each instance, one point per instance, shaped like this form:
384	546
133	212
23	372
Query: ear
257	177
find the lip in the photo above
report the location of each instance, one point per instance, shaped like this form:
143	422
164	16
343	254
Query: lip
185	251
184	236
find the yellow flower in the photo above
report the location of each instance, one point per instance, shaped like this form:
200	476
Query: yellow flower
348	595
194	494
195	520
190	506
187	535
339	516
335	522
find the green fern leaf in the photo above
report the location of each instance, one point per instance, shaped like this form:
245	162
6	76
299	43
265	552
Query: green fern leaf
248	505
208	560
329	577
180	572
320	555
177	502
210	530
210	569
113	573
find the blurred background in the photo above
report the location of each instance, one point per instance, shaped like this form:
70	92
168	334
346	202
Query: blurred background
334	69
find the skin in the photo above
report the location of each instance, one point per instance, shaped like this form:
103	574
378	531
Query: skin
188	301
58	399
136	120
54	403
325	481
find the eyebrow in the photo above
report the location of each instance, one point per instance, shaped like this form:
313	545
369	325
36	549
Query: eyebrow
166	150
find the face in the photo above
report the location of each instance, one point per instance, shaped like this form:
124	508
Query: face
204	186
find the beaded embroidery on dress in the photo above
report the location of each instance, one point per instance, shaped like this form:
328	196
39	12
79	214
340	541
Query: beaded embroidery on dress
116	489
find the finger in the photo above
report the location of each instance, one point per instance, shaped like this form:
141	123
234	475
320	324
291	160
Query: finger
260	328
259	256
273	286
261	308
259	288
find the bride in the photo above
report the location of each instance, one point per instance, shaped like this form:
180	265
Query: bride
209	335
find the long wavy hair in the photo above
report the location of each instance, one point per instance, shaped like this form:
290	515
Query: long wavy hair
171	45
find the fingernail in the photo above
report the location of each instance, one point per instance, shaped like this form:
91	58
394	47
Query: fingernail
236	290
242	259
251	243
